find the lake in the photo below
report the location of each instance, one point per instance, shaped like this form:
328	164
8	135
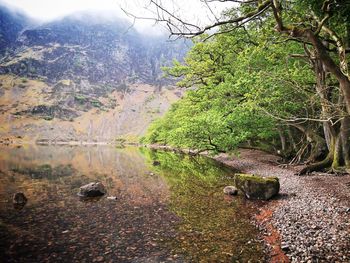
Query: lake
169	207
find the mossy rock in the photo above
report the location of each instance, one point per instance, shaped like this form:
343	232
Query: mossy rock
257	187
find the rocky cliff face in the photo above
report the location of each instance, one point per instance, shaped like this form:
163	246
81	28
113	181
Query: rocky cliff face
12	23
82	78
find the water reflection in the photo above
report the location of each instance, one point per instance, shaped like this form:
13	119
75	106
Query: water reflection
172	211
213	227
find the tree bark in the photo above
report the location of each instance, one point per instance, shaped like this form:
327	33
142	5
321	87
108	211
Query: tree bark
327	162
345	134
320	51
317	143
282	139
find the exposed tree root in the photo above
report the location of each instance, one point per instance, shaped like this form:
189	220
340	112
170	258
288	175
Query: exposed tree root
326	163
338	171
299	155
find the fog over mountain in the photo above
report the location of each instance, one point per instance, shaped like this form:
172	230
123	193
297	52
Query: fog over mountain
85	77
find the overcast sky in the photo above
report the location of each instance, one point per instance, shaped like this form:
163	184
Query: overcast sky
192	10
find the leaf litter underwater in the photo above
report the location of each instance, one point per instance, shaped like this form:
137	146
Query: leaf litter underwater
174	211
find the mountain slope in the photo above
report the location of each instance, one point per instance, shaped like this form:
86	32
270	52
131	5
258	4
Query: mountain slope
83	78
12	23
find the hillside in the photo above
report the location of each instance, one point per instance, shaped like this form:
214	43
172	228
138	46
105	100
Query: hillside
84	77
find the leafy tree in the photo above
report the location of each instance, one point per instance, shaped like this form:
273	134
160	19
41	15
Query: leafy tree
229	104
281	66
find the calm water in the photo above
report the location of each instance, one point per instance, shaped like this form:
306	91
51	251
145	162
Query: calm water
171	212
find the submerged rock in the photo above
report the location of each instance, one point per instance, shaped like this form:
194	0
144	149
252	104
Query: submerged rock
19	199
92	190
230	190
257	187
156	163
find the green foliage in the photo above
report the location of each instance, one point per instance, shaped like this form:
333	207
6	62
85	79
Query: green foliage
241	87
80	98
96	103
271	82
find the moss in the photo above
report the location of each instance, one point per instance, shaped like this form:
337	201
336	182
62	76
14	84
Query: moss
257	187
257	178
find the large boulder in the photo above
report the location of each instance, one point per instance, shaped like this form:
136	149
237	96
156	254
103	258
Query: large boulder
92	190
257	187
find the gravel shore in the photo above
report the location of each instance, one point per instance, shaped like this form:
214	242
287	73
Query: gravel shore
311	214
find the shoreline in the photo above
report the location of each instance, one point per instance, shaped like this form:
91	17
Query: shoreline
69	143
310	219
309	222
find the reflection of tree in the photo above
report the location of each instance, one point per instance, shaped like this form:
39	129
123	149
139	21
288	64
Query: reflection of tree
185	165
212	228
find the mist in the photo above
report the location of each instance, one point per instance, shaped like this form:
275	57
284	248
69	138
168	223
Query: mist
109	10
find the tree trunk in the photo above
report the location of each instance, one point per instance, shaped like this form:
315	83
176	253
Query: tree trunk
291	140
317	143
345	133
283	140
323	91
326	163
320	51
327	134
337	152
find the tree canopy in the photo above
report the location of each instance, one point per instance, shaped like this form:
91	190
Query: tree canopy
274	75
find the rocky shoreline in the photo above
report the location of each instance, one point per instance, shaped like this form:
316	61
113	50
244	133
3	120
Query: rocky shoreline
310	220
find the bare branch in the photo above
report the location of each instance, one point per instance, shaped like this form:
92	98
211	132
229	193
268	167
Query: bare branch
181	28
241	20
303	120
211	11
239	25
234	1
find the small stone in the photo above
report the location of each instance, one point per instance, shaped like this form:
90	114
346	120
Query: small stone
230	190
315	227
285	247
19	199
99	259
112	198
92	190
